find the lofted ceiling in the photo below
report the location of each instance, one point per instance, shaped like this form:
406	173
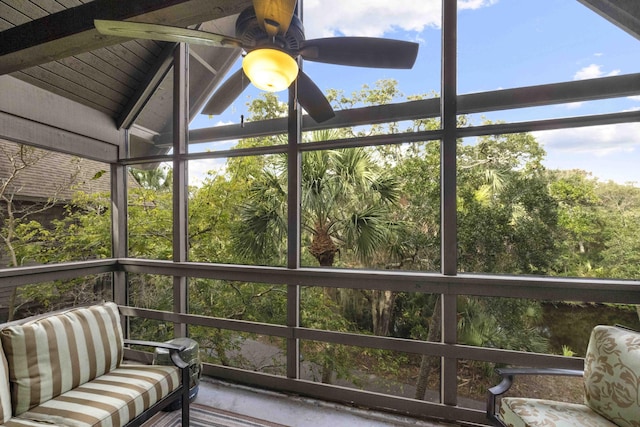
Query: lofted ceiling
64	86
623	13
53	48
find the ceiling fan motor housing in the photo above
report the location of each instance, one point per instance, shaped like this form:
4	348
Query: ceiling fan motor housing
252	34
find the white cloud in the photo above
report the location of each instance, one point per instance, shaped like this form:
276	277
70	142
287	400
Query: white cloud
593	71
475	4
200	169
598	140
374	18
634	98
574	105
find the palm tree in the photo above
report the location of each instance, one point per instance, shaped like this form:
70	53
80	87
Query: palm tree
158	178
346	206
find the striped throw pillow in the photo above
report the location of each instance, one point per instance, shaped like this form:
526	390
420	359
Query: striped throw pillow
5	393
54	354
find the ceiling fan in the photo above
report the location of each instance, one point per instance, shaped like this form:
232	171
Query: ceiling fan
273	38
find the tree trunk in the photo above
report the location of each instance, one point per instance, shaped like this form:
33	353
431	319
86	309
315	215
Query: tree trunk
328	364
381	309
322	247
327	374
425	363
220	347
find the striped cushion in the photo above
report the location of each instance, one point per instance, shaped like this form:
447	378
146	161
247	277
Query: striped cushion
5	393
15	422
54	354
110	400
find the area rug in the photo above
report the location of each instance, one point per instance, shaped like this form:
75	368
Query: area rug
204	416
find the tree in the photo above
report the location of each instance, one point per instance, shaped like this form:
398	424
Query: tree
346	204
581	225
347	209
17	213
506	216
25	218
619	213
506	223
211	218
157	178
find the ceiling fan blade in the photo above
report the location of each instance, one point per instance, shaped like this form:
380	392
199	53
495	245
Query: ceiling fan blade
227	93
368	52
166	33
274	15
313	100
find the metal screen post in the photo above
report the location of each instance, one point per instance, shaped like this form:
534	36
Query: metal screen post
119	230
180	196
294	158
448	227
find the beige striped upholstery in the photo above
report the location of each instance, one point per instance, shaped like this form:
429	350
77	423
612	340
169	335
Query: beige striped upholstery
5	393
110	400
52	355
15	422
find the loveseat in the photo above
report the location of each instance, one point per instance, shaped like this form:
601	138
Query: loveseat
611	385
67	369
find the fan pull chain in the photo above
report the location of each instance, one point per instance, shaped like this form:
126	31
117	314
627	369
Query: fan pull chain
242	115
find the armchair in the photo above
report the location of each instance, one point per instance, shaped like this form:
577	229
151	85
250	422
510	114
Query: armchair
611	384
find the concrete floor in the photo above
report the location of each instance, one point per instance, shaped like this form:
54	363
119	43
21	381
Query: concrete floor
294	411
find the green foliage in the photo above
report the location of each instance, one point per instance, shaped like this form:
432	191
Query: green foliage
155	293
150	224
238	301
84	231
50	296
260	234
211	220
159	178
346	201
361	207
580	236
620	213
319	311
507	219
505	323
418	171
412	313
567	352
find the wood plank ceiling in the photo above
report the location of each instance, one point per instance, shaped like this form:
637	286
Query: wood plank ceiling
53	45
622	13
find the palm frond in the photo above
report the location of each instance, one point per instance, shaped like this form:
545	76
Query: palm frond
366	232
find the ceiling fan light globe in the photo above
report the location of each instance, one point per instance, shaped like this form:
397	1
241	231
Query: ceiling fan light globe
270	70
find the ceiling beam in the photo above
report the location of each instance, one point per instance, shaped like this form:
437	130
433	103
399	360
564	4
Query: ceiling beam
145	91
34	116
623	13
71	31
23	131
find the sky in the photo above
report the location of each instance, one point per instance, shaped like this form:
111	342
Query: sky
501	44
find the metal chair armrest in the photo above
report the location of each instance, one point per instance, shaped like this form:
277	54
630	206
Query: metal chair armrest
174	350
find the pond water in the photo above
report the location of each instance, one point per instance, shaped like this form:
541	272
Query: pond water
570	325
